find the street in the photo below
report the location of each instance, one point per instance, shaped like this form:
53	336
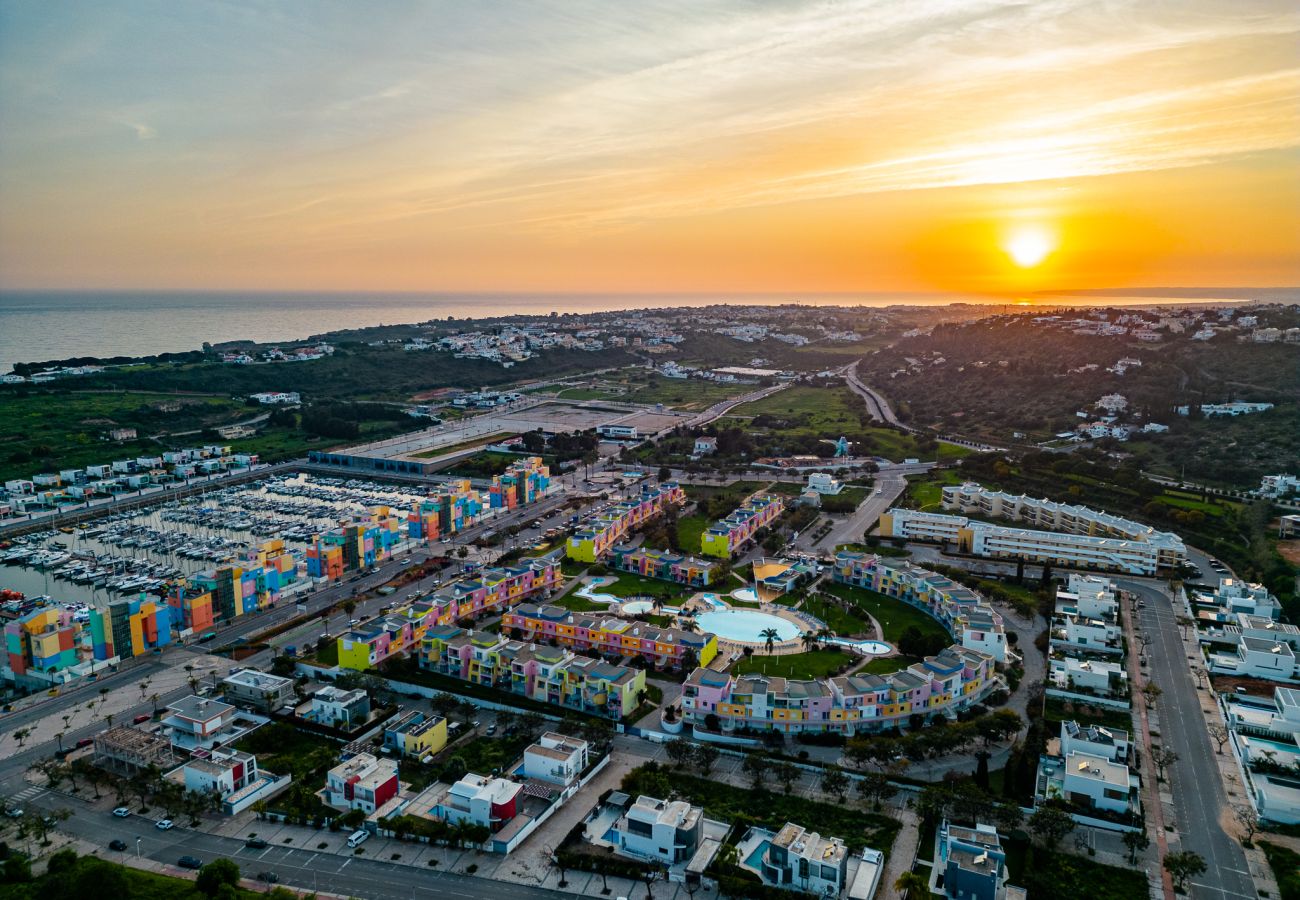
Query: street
1198	800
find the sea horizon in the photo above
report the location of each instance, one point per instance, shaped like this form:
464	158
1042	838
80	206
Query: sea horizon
54	324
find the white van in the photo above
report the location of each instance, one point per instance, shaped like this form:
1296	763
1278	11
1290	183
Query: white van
358	838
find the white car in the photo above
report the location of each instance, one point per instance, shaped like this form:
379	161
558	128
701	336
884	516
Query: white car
165	824
121	812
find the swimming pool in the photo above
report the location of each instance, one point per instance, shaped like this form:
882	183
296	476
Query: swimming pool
636	607
746	626
875	648
585	591
745	595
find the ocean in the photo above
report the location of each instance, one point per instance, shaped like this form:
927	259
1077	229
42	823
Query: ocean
35	327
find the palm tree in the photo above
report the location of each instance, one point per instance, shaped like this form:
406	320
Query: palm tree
769	636
912	885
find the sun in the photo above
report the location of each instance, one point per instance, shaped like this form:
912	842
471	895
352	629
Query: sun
1029	245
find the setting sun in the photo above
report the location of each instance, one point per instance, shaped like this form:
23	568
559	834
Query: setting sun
1029	245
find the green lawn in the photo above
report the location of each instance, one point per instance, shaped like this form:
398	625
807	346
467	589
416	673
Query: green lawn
464	445
689	531
690	395
284	750
482	465
636	586
770	808
1058	710
1048	876
883	665
813	664
583	393
894	616
925	492
1285	864
845	623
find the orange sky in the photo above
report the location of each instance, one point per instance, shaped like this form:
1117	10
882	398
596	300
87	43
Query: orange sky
658	147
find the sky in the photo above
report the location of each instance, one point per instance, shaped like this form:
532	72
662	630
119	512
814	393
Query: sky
983	146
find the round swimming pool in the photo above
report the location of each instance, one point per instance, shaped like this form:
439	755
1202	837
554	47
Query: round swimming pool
636	607
746	626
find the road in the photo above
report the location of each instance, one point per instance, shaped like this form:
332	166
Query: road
354	876
721	408
889	486
1198	797
877	405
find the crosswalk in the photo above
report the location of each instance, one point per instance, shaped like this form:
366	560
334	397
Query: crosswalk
29	793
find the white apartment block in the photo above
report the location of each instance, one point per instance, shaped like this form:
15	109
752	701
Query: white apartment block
803	860
1227	409
1109	743
664	830
1088	634
1089	675
1088	595
1235	597
556	758
1279	485
260	689
1269	731
975	499
221	771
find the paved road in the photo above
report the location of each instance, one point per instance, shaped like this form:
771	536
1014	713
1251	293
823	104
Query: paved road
877	405
720	409
889	485
1198	797
310	870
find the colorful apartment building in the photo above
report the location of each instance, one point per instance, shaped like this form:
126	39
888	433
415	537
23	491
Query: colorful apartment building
490	589
130	627
662	564
367	539
941	685
608	636
416	735
963	612
41	643
552	675
725	536
448	509
522	483
256	580
601	533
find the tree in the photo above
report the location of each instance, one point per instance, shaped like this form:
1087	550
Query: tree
912	885
770	636
1049	824
1151	691
705	757
756	767
215	874
680	752
21	735
835	782
1182	866
1163	758
1219	733
1248	819
876	788
1136	842
787	774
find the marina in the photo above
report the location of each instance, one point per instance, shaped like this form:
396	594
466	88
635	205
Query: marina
144	551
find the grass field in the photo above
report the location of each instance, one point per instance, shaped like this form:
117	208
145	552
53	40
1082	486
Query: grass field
926	491
689	395
885	664
1285	864
689	530
464	445
894	616
1058	710
636	586
845	623
813	664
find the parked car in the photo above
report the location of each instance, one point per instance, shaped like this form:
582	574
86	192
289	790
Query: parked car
121	812
15	813
268	877
143	717
117	844
85	742
164	825
492	729
190	862
256	844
